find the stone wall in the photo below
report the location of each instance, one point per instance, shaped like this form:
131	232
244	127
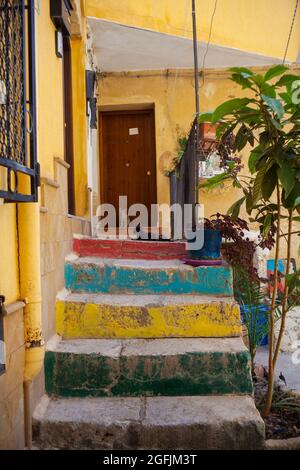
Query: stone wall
11	381
57	230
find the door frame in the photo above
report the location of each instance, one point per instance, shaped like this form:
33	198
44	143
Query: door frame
101	113
68	122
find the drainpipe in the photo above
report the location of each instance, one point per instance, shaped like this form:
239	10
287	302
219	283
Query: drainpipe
30	292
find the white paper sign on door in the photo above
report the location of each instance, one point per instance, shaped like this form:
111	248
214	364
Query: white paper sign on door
134	131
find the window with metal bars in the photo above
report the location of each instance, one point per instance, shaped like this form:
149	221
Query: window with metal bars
19	169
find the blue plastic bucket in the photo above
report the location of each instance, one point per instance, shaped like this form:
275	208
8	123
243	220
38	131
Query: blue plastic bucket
259	319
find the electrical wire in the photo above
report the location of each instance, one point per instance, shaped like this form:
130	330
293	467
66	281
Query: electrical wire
208	41
290	32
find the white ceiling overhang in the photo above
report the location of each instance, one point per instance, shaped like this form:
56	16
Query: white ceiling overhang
125	48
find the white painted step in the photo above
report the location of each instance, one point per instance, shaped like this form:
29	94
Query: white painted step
142	300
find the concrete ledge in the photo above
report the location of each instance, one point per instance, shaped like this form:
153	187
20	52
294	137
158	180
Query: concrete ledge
13	307
50	182
62	162
283	444
169	423
167	367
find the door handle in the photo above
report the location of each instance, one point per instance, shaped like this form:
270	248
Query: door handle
148	173
127	164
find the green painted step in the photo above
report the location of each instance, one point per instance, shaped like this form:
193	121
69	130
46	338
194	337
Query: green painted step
147	367
119	276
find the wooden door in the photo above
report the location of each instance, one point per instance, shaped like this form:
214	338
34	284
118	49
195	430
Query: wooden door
128	162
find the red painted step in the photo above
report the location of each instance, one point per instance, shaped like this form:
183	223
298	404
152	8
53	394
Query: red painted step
128	249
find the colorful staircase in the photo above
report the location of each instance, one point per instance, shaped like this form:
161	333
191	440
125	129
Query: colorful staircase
148	355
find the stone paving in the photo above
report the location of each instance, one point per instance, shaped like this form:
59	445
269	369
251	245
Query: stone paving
285	365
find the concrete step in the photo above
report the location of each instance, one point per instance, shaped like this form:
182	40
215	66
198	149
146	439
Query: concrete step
136	249
168	423
145	277
189	366
82	315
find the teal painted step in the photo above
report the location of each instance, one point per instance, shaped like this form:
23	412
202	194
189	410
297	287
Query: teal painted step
145	277
170	367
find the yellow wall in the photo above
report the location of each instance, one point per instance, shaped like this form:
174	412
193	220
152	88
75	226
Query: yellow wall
50	126
172	94
260	26
50	129
79	125
9	272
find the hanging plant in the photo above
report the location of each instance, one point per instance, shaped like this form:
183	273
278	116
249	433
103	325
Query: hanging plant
181	147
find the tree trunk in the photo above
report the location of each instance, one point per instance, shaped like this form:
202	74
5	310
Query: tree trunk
269	396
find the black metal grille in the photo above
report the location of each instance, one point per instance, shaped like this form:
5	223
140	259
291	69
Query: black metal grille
183	180
17	101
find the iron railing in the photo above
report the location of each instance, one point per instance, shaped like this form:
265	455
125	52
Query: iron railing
19	169
184	179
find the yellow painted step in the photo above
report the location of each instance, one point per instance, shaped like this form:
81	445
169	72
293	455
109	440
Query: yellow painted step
146	316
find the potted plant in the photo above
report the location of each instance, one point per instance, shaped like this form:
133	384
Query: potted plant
221	227
268	120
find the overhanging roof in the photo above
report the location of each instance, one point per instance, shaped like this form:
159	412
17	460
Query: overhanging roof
124	48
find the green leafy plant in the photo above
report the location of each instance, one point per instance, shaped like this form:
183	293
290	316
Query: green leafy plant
182	143
268	121
251	295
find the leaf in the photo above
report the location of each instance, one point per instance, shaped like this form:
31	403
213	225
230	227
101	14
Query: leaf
241	80
258	80
234	210
276	124
269	182
275	105
249	115
267	224
269	90
241	139
244	71
257	191
249	203
274	71
253	159
286	80
286	175
292	281
286	97
258	158
293	200
296	202
224	129
228	108
264	137
214	181
205	117
250	138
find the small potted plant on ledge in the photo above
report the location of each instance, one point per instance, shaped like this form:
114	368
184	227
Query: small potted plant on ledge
219	227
